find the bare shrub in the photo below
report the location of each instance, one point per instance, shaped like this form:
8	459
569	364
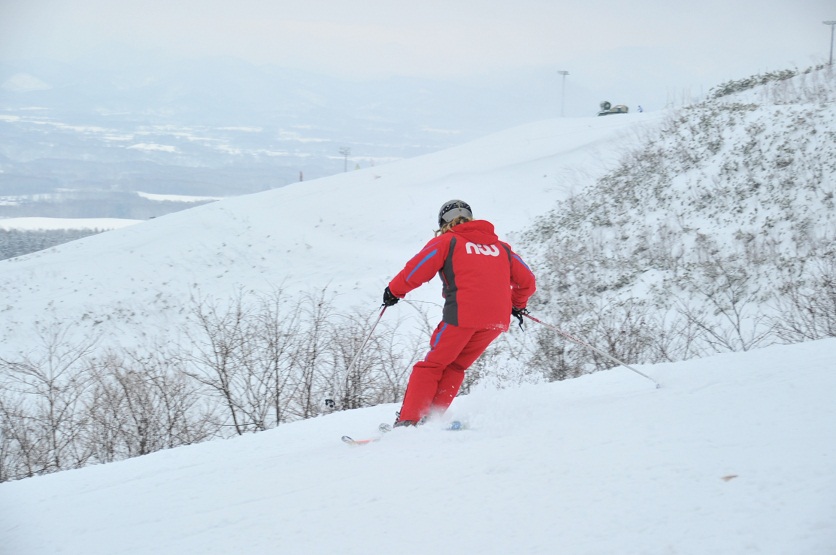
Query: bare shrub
246	354
42	414
141	403
723	303
806	306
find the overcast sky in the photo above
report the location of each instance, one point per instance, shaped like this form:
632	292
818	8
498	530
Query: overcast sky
661	42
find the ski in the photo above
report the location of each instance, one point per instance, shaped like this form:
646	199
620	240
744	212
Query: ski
351	441
453	426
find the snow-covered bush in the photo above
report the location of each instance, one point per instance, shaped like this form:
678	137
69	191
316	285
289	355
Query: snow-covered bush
709	232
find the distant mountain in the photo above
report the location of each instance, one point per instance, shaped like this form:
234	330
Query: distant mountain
225	91
222	127
23	83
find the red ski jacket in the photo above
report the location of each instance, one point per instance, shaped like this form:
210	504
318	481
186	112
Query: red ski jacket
481	276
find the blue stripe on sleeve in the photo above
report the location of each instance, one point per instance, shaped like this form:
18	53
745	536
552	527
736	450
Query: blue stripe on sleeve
430	255
521	262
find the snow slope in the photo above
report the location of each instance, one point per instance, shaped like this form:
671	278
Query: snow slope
735	454
302	237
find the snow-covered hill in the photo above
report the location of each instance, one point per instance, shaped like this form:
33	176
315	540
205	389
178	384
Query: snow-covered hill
349	233
716	234
735	454
749	175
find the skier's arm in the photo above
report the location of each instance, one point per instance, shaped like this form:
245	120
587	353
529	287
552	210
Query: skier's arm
523	283
421	268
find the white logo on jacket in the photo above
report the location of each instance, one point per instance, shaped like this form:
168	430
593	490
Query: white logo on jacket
473	248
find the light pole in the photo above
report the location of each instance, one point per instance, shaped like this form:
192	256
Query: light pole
346	152
563	90
832	24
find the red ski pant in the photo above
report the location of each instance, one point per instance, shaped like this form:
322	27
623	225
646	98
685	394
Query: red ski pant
436	380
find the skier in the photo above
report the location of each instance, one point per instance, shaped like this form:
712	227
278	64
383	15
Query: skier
483	283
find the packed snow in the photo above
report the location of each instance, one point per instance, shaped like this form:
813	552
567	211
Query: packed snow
734	454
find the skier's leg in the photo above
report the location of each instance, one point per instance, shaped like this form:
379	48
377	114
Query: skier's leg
453	376
446	345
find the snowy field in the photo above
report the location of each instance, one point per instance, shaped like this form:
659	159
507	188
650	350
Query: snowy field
734	454
37	223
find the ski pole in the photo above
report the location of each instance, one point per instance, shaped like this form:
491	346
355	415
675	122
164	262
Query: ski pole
360	350
588	346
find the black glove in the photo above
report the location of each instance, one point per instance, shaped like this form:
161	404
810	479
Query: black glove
388	298
518	313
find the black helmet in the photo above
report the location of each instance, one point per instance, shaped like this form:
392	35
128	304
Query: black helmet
452	210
